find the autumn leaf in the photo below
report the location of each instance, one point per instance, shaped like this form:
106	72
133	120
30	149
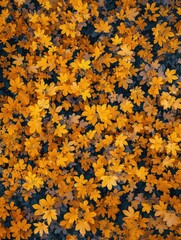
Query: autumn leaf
172	148
50	215
45	208
16	84
69	29
107	59
157	143
168	162
82	226
109	181
142	173
43	103
162	33
43	63
121	140
41	228
170	75
125	51
171	219
32	181
18	59
95	195
71	216
80	180
62	161
146	207
98	50
127	106
19	228
34	110
89	216
102	26
84	64
160	209
51	89
131	13
117	40
90	113
103	112
60	130
130	214
35	125
9	48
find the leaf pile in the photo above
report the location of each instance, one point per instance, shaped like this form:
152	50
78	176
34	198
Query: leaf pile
90	119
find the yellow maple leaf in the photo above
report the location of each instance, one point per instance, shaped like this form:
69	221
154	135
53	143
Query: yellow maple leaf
121	140
62	161
102	26
171	219
71	216
160	209
170	75
89	216
130	214
95	194
35	125
41	228
109	181
168	162
43	103
18	59
60	130
104	113
116	40
52	89
107	59
157	143
125	50
45	208
142	173
127	106
82	226
43	63
146	207
172	148
49	215
16	84
32	181
131	13
98	50
90	113
69	29
84	64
